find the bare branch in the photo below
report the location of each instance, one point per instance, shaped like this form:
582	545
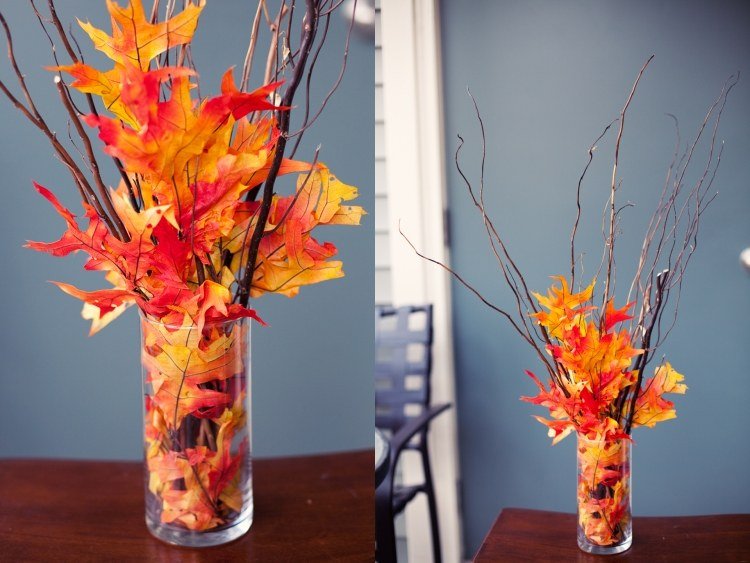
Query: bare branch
60	30
38	121
592	148
271	59
247	67
307	123
77	57
154	17
309	29
93	164
611	239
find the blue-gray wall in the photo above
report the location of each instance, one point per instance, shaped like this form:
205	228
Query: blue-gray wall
63	394
548	76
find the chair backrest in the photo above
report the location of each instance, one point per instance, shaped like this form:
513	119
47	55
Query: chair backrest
403	362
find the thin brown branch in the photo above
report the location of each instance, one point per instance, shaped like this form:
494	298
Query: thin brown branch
592	148
309	28
247	67
19	75
61	30
38	121
611	238
636	283
510	278
307	123
271	59
332	8
492	231
93	164
643	359
552	372
306	118
684	217
77	57
288	55
154	17
468	286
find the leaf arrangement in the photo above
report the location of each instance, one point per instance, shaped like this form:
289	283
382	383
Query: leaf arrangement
184	235
597	359
595	365
195	227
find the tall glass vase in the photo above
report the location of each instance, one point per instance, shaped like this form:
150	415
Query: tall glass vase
604	517
198	476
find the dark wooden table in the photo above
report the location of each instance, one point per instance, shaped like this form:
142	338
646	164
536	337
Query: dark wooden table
533	535
313	508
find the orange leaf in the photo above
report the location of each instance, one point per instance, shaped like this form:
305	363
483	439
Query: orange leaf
135	40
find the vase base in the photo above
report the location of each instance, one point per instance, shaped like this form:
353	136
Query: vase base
594	549
187	538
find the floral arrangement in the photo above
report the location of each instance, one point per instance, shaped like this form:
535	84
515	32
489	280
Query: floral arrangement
598	394
596	365
589	395
195	227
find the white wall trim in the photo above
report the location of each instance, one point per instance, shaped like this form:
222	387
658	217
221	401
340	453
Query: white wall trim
415	180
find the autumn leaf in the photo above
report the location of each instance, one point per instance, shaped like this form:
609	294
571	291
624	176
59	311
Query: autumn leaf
290	256
106	301
210	476
564	309
106	85
135	40
614	316
651	406
73	239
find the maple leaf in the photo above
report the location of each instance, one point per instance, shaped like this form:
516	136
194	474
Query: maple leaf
189	507
238	103
108	303
135	43
651	407
177	372
558	429
135	40
564	309
211	302
593	363
289	256
177	146
101	307
613	316
73	240
330	210
106	85
181	397
171	258
603	488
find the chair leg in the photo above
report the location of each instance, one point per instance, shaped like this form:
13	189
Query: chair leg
385	531
430	492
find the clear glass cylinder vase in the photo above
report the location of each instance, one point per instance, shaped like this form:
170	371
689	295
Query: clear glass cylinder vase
604	511
197	439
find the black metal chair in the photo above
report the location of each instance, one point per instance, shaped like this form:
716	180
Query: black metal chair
403	361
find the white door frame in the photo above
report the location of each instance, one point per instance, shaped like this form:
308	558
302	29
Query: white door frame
415	180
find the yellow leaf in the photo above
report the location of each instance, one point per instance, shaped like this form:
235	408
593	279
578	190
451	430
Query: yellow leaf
135	40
